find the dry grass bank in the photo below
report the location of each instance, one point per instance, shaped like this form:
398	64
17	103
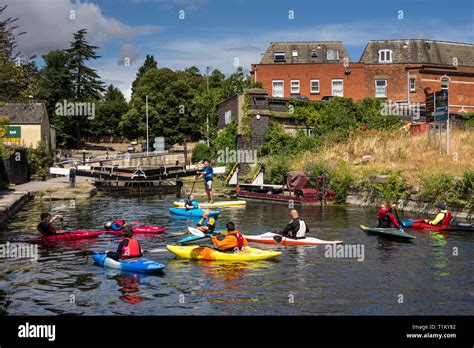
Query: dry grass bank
412	155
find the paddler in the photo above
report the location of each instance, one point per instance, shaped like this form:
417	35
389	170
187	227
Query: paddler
208	174
296	228
45	227
207	224
443	216
385	216
191	203
115	225
128	246
232	240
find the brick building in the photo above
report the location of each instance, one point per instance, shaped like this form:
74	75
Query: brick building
310	69
403	70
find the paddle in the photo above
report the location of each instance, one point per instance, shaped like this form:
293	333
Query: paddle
400	224
278	238
192	188
201	234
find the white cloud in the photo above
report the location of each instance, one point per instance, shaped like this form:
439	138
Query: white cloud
50	24
128	54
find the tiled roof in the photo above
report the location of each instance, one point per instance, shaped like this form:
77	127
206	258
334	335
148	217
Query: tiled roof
420	51
24	113
308	52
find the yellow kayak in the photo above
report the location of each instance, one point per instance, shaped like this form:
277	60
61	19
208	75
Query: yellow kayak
215	204
205	253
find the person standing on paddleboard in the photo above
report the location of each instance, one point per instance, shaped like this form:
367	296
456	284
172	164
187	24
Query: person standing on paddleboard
208	174
127	248
207	224
191	203
385	216
45	227
232	240
443	216
296	228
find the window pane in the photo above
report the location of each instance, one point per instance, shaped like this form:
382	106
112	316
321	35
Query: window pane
277	89
337	88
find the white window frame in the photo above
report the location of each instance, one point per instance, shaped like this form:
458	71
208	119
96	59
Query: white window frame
294	53
228	117
412	89
311	86
376	87
296	91
384	54
332	87
279	54
282	88
332	50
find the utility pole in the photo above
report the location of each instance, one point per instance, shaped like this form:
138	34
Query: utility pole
207	115
146	110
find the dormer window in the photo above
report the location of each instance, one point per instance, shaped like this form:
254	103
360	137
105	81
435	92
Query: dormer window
314	53
332	55
294	53
279	57
385	56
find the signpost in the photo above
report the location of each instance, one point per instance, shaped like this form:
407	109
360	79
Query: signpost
437	110
12	134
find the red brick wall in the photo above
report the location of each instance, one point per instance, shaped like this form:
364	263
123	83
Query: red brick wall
353	82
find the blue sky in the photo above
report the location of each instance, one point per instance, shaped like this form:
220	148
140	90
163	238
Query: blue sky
214	33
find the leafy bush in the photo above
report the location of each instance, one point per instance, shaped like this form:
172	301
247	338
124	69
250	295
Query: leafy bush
468	118
226	138
202	152
368	113
436	186
276	170
314	170
393	189
341	180
39	159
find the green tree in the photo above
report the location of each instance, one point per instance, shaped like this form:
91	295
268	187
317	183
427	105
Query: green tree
87	86
109	113
149	63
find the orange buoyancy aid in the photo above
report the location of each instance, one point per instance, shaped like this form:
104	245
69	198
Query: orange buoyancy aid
132	249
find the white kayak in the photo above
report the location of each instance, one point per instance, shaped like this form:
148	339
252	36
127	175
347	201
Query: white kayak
267	238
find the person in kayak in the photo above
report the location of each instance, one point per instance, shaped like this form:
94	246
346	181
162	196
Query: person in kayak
115	225
191	203
128	246
385	216
232	240
207	224
208	174
443	216
296	228
45	227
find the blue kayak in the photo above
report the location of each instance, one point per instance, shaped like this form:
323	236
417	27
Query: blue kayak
192	238
192	212
137	265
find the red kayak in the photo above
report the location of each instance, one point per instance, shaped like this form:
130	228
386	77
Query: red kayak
142	230
422	225
66	236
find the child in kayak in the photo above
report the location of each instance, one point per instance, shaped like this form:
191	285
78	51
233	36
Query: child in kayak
115	225
296	228
127	248
232	240
207	224
443	216
191	203
45	227
385	216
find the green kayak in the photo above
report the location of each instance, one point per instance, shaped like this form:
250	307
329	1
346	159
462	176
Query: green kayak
388	232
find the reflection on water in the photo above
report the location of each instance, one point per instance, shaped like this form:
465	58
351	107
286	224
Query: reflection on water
426	271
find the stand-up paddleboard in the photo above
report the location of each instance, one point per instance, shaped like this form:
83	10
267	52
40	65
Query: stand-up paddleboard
215	204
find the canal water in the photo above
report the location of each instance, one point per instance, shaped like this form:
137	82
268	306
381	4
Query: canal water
431	276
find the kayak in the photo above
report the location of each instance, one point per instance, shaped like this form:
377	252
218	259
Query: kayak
421	225
215	204
388	232
192	212
205	253
193	238
66	236
267	238
143	230
137	265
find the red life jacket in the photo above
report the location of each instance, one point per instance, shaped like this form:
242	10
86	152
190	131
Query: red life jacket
51	228
447	218
119	222
240	238
132	250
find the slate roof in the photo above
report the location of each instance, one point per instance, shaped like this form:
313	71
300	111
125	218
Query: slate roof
24	113
420	51
305	50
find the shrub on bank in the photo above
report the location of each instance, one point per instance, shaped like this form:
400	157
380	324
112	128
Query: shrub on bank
340	180
39	159
202	152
